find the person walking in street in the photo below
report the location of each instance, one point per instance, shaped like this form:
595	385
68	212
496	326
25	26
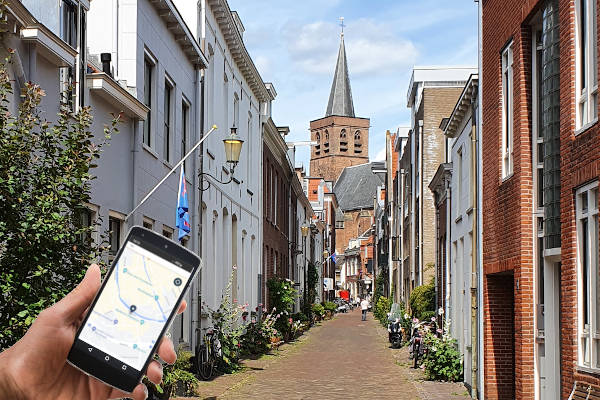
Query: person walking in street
364	305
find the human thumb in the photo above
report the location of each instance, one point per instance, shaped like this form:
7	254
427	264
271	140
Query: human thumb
75	303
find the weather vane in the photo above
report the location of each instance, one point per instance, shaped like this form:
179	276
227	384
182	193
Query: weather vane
342	24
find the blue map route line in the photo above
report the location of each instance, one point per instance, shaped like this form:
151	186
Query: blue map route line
117	269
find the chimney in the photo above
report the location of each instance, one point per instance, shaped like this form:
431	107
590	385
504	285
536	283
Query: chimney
106	58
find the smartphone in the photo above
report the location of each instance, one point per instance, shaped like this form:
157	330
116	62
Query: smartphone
136	303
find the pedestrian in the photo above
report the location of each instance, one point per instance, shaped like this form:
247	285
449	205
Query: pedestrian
364	305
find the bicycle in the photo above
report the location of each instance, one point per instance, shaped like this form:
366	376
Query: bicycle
208	353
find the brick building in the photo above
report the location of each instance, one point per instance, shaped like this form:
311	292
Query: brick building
540	202
278	221
342	139
432	94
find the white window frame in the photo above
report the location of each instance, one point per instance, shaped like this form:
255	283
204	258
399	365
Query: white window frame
459	181
149	99
121	218
168	120
586	70
507	110
589	335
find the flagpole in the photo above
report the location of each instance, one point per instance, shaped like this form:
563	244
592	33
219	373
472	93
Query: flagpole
214	127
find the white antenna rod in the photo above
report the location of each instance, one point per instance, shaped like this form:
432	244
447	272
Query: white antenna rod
171	171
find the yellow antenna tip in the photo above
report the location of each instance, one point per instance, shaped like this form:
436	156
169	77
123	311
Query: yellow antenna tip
215	127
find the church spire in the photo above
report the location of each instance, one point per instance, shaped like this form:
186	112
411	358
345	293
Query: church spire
340	98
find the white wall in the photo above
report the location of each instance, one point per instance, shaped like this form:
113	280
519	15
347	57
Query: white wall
236	201
461	219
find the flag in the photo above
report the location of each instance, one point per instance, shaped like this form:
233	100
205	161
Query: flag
182	217
333	257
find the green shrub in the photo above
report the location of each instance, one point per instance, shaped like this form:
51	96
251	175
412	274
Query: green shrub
176	376
257	335
299	317
422	300
382	308
330	306
318	310
442	360
282	297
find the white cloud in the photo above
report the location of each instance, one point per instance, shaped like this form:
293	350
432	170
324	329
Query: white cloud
371	47
380	156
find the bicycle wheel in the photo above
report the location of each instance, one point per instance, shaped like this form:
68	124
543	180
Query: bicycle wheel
205	363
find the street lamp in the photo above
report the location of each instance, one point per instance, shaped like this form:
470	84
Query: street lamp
233	148
304	230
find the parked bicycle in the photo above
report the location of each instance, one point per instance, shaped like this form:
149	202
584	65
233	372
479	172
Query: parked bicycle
208	354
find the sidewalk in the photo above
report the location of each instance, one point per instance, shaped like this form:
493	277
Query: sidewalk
430	390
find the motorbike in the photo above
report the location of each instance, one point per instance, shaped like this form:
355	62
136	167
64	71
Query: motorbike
395	332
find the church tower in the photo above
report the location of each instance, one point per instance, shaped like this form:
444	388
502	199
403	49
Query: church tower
342	138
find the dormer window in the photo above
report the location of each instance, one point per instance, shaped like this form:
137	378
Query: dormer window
343	141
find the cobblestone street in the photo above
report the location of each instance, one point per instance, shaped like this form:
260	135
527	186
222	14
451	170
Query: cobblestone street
344	358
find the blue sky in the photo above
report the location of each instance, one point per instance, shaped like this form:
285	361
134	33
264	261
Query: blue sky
294	44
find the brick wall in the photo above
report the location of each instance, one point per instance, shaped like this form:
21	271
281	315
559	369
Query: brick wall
507	204
499	346
354	226
329	161
275	225
437	104
580	164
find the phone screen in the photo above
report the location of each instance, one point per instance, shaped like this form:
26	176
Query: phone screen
135	304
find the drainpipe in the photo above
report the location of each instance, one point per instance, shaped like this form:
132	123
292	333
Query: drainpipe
448	249
421	198
481	369
474	245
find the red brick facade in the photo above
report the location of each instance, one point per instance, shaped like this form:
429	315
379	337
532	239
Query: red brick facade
507	206
507	209
341	142
277	217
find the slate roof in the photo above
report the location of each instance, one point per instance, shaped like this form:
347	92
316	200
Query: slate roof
340	98
356	187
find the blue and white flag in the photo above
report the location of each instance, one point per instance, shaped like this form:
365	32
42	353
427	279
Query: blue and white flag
182	217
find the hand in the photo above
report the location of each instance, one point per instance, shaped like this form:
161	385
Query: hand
36	366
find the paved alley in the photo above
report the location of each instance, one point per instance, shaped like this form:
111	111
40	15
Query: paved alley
344	358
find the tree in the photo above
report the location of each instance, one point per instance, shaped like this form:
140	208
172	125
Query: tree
45	181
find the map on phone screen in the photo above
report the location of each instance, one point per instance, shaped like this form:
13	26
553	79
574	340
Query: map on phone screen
134	306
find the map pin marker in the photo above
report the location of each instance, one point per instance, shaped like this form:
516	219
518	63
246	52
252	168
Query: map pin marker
132	308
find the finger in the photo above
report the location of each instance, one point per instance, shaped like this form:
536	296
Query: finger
182	307
139	393
154	372
75	303
166	351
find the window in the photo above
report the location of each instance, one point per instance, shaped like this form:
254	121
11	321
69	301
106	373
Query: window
326	144
236	110
249	145
68	22
507	111
586	203
148	78
67	86
114	237
148	223
167	232
357	142
185	108
459	182
167	119
586	76
318	145
87	221
343	141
